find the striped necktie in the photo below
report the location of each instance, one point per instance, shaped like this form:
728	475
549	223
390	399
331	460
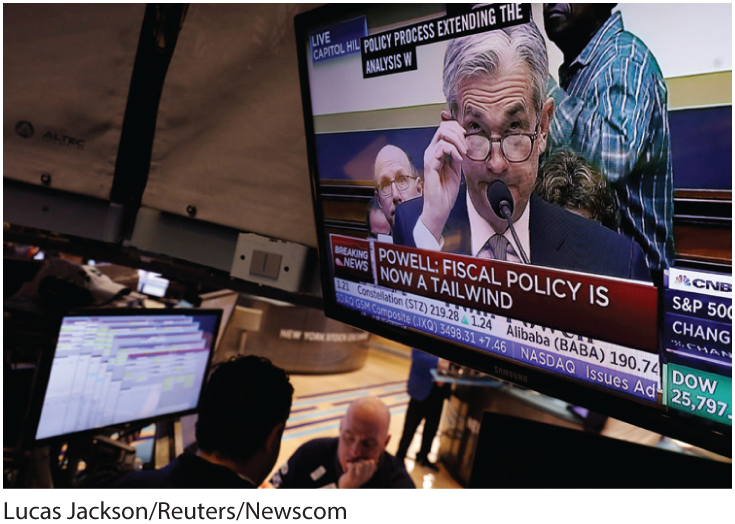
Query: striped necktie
496	247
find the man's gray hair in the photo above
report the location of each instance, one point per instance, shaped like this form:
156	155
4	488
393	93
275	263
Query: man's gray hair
484	53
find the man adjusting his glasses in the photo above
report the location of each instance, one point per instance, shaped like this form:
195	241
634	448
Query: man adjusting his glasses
495	128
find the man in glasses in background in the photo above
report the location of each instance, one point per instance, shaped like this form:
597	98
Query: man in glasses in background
396	180
495	128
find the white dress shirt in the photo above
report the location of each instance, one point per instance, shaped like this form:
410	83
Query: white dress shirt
481	231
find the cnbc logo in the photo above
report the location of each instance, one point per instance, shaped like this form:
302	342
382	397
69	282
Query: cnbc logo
706	283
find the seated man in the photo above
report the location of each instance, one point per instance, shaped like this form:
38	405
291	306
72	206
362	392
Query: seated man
355	459
241	420
494	129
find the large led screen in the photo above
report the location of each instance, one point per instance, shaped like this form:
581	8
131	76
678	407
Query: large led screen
495	184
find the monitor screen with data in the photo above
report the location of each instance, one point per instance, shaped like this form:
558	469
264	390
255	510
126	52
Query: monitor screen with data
118	367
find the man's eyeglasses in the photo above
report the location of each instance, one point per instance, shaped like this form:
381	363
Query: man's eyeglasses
516	147
402	182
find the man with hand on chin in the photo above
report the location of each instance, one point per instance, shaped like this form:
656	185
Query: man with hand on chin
495	129
356	459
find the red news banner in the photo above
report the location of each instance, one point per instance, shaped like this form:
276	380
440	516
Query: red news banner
617	311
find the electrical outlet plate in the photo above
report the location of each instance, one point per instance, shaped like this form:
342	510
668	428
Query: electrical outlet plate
275	263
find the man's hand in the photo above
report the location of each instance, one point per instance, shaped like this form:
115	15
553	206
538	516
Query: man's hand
442	174
357	474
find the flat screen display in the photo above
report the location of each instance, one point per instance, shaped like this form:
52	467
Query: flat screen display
225	300
488	192
115	367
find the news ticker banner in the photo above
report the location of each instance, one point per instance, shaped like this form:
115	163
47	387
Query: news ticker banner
617	311
698	318
697	392
624	370
394	51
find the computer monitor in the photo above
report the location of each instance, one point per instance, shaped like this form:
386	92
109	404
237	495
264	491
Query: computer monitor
225	300
124	367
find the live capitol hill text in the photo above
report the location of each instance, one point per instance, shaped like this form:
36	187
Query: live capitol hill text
322	46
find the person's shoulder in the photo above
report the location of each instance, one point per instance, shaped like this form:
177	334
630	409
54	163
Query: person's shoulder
309	466
407	214
396	475
410	209
316	446
324	442
586	245
626	46
619	48
185	471
137	480
424	359
584	228
312	452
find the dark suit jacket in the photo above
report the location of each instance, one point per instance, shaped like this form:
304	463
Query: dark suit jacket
559	239
185	471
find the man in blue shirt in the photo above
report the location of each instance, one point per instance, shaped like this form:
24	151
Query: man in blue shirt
611	109
427	403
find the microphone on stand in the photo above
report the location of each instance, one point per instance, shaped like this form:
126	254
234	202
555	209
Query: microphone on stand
501	200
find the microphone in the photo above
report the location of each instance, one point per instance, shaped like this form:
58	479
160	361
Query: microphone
501	201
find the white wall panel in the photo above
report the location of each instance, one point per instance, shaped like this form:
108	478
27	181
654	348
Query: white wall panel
67	71
230	132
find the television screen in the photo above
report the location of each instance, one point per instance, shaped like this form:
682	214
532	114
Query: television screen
495	186
115	367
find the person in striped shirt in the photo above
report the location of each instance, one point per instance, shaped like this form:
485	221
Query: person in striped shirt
611	109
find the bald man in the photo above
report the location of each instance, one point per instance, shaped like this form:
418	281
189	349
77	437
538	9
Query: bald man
396	180
355	459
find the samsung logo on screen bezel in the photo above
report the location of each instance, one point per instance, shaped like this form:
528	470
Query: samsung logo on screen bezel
518	377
